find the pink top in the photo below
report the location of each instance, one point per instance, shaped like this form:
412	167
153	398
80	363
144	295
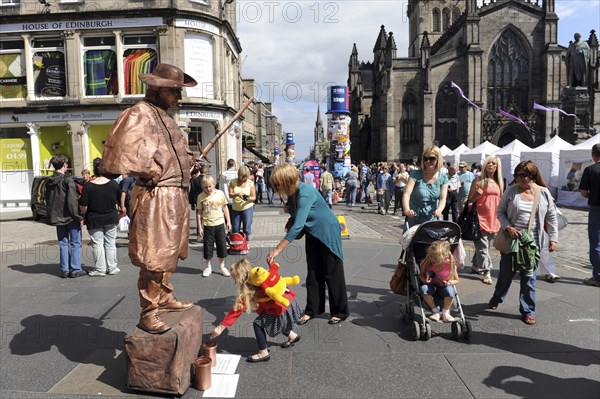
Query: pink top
487	206
440	275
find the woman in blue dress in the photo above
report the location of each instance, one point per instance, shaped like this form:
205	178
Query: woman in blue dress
424	197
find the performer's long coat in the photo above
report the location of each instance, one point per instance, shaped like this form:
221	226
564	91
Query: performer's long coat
147	143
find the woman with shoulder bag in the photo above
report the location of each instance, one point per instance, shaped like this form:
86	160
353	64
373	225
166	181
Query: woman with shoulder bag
485	194
525	206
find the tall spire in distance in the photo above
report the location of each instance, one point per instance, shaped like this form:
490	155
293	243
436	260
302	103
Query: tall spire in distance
319	134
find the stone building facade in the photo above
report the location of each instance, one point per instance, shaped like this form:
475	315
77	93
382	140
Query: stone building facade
68	68
502	53
262	130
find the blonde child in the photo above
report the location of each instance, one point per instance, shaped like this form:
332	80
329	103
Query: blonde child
212	217
438	274
272	318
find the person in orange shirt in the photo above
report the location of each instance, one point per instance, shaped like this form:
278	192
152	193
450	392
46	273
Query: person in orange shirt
485	193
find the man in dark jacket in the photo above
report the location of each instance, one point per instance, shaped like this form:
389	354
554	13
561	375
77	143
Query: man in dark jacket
63	212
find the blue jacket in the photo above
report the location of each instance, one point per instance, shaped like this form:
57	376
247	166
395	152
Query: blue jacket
389	185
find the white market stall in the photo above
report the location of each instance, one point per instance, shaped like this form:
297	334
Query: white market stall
547	158
572	163
479	153
510	156
454	156
445	150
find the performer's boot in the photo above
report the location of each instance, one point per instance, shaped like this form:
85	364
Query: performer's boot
150	289
153	324
168	303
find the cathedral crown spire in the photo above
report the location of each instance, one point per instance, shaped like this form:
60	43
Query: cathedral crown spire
381	40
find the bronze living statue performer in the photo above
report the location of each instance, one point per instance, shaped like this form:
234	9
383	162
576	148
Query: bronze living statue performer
577	60
146	142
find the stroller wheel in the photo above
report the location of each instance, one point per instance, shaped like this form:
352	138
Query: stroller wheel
427	333
456	330
468	331
403	311
411	310
416	330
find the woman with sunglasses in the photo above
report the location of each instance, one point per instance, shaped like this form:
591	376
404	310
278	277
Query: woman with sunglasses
514	212
424	197
485	193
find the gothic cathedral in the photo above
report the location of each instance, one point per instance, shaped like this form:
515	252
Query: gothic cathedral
503	54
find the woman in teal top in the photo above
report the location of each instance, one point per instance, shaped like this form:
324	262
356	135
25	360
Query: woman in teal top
325	261
425	193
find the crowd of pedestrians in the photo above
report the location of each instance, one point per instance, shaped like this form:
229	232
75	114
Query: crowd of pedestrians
154	184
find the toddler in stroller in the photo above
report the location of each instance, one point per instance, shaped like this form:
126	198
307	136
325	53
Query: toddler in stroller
432	252
438	275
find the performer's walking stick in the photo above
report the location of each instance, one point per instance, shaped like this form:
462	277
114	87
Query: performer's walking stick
211	144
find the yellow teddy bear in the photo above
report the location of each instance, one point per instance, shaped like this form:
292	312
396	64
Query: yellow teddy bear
272	283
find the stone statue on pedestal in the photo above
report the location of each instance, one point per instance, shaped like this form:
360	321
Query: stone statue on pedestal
577	59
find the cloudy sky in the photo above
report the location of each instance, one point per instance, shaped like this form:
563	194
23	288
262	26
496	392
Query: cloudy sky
296	49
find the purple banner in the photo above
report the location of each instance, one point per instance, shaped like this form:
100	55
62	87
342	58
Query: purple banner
510	116
547	109
454	85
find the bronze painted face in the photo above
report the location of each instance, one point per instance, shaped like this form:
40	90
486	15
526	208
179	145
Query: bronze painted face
170	95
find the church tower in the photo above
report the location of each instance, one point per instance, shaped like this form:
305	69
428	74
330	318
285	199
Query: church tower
320	145
319	131
432	16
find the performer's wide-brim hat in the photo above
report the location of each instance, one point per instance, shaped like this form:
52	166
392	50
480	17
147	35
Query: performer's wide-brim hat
165	75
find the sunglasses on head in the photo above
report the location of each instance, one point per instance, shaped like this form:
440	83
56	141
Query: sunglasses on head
429	159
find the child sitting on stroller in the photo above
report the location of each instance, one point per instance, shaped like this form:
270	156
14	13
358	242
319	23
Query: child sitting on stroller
439	275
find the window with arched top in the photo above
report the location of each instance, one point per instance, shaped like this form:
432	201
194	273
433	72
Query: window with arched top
445	19
446	116
436	20
455	14
409	120
508	72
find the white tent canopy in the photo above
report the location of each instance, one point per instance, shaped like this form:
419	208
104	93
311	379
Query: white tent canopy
445	150
572	163
547	159
454	156
479	153
510	156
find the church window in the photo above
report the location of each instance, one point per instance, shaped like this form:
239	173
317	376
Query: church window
455	14
436	20
445	19
446	116
408	122
508	73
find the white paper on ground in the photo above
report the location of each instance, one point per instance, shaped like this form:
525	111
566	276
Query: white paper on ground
222	386
226	364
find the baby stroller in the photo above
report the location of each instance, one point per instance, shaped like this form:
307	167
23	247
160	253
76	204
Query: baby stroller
412	254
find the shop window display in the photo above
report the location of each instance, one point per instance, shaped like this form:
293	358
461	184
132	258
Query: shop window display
13	79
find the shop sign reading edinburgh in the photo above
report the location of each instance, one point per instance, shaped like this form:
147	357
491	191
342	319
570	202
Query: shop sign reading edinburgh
206	115
79	24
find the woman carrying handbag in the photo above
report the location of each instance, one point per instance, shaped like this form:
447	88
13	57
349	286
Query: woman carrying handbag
525	206
485	194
